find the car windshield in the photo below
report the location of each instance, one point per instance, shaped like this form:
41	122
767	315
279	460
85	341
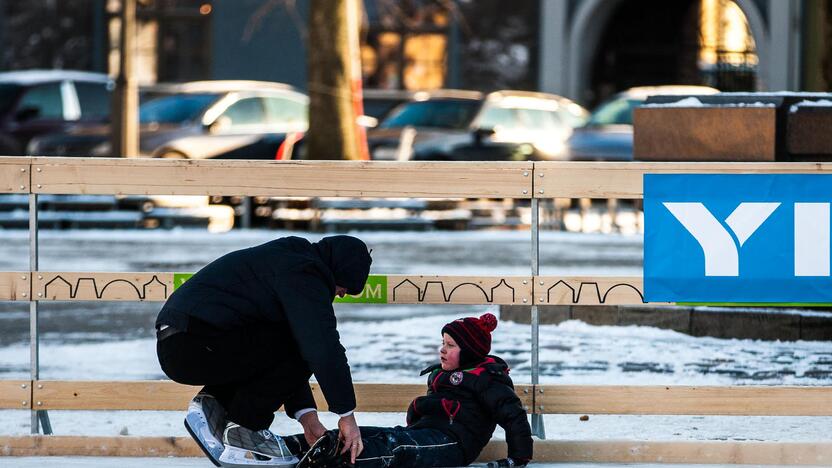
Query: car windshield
8	95
178	108
445	113
379	108
618	111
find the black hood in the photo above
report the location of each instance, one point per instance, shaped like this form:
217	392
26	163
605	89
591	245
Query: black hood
349	260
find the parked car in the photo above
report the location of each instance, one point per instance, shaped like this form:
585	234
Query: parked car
38	102
379	102
608	134
201	120
471	126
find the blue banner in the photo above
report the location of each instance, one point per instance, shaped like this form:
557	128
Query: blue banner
739	238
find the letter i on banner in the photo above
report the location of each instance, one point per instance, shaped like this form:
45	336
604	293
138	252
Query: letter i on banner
811	239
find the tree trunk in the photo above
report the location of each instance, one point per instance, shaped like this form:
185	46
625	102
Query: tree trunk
332	121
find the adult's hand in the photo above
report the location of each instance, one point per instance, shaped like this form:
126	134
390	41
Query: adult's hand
312	427
350	435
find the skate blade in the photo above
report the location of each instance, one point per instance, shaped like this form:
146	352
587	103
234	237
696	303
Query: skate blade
234	457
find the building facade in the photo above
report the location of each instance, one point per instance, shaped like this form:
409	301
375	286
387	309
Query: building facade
582	49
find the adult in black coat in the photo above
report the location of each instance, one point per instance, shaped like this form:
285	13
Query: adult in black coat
255	324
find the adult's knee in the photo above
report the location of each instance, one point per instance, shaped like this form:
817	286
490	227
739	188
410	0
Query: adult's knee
180	363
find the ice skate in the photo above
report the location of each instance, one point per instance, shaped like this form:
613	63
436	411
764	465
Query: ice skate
244	447
205	422
324	453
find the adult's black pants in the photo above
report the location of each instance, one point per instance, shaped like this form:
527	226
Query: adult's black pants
252	372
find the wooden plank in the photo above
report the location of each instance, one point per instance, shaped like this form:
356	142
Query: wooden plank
718	453
681	400
282	178
624	179
97	395
590	290
14	174
400	289
80	446
14	286
167	395
97	286
504	290
551	451
15	394
395	398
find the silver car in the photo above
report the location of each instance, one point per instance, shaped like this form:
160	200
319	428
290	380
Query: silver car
201	120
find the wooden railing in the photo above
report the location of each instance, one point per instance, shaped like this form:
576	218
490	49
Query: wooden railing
517	180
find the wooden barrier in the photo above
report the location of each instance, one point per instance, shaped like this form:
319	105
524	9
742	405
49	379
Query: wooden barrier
679	400
14	175
14	285
166	395
15	394
398	289
624	179
584	290
516	180
553	451
371	397
281	178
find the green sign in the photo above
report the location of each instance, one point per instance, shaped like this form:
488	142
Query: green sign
375	292
180	278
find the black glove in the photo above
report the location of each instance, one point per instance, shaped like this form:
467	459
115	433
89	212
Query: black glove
506	463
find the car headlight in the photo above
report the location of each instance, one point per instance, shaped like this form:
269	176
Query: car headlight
101	150
34	147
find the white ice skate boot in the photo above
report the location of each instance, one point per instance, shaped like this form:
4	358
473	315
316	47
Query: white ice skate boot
244	447
205	422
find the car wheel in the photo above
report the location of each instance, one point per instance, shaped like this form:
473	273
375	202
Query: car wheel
173	155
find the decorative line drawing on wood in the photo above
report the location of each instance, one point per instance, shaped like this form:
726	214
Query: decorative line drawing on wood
141	294
576	294
422	293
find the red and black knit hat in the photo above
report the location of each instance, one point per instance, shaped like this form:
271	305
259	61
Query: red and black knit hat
473	335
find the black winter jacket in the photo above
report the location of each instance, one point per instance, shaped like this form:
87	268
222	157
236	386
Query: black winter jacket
467	404
286	282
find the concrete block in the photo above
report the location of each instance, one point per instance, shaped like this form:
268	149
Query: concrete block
596	315
548	314
668	317
744	324
816	327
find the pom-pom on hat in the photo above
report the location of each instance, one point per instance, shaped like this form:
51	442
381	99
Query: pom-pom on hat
473	335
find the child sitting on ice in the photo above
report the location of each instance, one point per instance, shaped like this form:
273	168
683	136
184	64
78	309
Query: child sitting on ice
469	393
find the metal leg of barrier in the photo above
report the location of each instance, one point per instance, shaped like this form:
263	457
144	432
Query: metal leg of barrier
38	417
245	218
537	419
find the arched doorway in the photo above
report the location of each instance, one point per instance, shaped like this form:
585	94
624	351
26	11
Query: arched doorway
616	44
646	42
